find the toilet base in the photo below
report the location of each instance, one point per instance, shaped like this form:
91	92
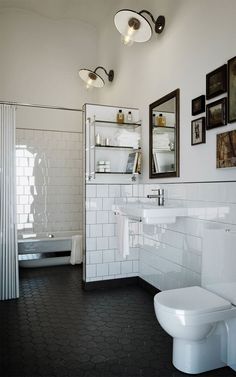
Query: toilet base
195	357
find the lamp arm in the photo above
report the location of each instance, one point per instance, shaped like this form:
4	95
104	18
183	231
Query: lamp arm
159	22
100	67
149	13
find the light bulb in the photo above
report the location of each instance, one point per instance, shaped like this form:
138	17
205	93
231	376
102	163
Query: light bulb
89	84
127	38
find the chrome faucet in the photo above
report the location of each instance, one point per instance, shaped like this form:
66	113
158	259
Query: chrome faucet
160	196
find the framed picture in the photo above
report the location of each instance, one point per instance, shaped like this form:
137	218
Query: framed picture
198	131
198	105
216	114
216	82
132	162
232	90
226	150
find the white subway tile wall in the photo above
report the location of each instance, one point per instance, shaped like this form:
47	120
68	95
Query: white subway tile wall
50	177
170	254
49	198
103	261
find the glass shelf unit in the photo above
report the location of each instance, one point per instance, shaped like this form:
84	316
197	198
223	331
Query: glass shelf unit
116	155
123	148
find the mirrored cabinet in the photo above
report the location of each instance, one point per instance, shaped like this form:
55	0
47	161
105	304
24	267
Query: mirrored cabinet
164	136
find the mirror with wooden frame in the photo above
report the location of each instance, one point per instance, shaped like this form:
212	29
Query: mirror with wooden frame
164	136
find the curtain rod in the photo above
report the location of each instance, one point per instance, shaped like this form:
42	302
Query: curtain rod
38	106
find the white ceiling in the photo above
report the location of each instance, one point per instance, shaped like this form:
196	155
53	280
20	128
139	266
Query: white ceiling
94	12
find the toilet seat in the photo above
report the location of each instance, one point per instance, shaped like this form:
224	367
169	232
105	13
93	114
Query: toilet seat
190	301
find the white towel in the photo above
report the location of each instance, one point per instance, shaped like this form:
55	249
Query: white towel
76	250
123	235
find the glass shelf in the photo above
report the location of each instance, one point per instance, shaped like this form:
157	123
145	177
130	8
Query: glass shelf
163	150
163	129
105	123
116	147
113	172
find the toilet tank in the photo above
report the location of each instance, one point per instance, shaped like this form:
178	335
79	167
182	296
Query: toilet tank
219	263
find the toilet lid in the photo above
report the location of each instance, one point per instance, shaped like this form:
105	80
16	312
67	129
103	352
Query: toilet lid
190	301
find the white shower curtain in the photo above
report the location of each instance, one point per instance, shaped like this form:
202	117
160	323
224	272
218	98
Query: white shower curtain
9	280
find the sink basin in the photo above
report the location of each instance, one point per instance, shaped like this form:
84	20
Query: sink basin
151	213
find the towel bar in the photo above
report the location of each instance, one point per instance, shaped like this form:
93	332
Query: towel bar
135	219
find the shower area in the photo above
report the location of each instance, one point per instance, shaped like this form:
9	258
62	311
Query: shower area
49	185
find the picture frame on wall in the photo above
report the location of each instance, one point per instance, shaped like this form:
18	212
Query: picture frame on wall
198	105
226	149
216	82
198	131
216	114
132	162
232	90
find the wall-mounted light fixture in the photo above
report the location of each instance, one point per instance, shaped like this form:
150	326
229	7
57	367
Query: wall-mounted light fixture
92	79
134	27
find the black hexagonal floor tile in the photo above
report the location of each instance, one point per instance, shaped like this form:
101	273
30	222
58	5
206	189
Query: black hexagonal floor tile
56	329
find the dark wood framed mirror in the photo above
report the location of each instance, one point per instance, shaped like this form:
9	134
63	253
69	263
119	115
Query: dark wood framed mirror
164	136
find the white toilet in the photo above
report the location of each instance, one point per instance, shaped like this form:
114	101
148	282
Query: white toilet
202	320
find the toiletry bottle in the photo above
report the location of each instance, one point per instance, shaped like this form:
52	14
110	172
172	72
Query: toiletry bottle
120	117
153	119
98	140
129	117
161	120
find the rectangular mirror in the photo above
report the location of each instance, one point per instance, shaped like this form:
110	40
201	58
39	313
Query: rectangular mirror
164	136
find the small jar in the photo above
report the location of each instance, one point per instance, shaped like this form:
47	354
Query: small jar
100	169
172	146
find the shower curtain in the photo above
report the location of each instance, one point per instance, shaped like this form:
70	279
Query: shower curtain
9	280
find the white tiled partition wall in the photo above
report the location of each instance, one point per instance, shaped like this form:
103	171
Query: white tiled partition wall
103	260
49	181
170	254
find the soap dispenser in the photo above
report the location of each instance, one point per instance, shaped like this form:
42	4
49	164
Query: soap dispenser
129	117
98	140
154	120
161	120
120	117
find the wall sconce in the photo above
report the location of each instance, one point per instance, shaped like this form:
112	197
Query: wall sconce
92	79
134	27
